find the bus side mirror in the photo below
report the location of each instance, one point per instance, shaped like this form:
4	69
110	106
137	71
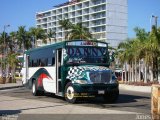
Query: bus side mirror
106	57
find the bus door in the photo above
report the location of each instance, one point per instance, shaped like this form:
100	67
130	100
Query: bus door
25	69
58	70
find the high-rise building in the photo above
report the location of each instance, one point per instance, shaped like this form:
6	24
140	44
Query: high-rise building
107	20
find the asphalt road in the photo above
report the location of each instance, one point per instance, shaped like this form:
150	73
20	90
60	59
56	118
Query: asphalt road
20	104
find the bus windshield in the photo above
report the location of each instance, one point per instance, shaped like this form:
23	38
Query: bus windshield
89	54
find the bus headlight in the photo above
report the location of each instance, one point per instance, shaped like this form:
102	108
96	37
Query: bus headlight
113	79
81	81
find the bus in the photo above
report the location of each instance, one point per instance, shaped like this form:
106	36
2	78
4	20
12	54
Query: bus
71	69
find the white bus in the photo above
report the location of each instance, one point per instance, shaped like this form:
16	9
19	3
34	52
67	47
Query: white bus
71	69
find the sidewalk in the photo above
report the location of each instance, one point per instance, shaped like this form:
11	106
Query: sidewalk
11	85
144	89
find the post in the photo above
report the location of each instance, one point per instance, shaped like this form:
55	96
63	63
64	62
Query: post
155	20
155	101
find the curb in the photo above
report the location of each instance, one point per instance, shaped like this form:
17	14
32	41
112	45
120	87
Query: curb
144	89
11	87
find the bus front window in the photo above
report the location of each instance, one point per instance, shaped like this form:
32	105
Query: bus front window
90	54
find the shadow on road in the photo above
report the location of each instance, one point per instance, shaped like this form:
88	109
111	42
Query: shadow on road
14	112
9	112
123	98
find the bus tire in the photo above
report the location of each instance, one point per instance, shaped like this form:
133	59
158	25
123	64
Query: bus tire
70	93
111	97
34	88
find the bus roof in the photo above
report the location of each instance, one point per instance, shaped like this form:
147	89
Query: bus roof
62	44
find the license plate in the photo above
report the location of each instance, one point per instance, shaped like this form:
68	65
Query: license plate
100	91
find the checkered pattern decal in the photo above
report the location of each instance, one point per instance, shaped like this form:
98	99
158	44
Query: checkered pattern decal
79	72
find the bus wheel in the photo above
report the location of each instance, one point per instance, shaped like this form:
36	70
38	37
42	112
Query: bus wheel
111	97
70	93
34	88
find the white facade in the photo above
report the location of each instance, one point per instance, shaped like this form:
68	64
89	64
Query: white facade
107	20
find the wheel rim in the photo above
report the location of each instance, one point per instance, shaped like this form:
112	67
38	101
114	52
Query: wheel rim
33	88
70	92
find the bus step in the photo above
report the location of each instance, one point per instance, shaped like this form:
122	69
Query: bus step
59	94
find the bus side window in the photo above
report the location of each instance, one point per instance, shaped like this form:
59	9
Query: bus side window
39	62
32	63
43	62
50	62
53	60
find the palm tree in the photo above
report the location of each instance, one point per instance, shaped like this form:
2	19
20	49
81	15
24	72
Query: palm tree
4	40
21	37
51	34
66	25
125	55
12	43
37	33
155	40
152	50
76	31
144	47
142	38
79	32
12	61
28	41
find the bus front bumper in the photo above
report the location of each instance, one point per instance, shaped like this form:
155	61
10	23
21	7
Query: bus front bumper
95	89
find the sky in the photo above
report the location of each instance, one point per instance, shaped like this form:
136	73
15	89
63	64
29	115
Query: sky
22	13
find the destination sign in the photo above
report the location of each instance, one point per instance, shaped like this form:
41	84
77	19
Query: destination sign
86	43
82	52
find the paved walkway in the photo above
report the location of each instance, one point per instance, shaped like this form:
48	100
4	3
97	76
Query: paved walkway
144	89
11	85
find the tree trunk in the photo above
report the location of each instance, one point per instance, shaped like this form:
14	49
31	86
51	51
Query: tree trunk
125	74
12	75
151	73
132	72
122	75
145	72
139	70
155	68
135	70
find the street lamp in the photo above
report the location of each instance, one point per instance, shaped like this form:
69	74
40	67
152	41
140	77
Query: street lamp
4	52
155	18
155	21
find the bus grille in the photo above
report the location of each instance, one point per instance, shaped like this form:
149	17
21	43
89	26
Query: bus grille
100	77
